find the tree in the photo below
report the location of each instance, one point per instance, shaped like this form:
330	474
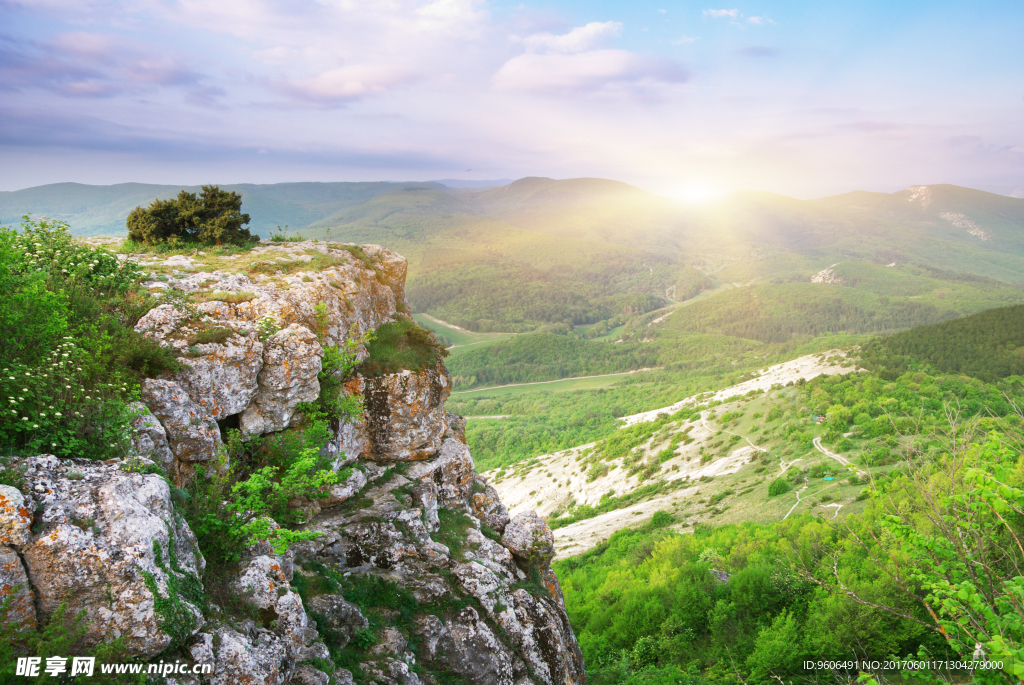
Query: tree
212	218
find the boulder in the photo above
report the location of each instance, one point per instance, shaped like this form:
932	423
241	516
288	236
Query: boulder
466	646
111	545
222	379
21	610
263	584
529	539
291	362
192	432
339	619
15	516
149	439
487	506
451	471
405	416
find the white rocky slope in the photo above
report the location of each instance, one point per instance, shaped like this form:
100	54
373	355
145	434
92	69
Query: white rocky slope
411	514
556	482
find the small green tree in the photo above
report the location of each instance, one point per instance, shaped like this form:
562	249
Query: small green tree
213	217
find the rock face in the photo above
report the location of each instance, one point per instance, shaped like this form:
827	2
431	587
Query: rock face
417	574
405	414
291	361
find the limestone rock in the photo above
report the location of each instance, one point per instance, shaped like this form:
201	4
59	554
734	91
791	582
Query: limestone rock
465	645
222	379
487	506
111	545
307	675
192	433
405	414
342	618
456	427
21	610
263	585
149	438
451	471
15	516
161	322
291	361
345	490
424	496
393	268
528	537
243	659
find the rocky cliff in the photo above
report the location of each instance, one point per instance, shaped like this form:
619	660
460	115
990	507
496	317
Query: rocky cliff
416	573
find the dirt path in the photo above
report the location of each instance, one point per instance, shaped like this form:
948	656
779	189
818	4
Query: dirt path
795	505
838	457
557	380
703	420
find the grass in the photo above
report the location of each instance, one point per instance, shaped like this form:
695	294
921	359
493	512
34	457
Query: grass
460	339
564	385
399	345
216	334
231	298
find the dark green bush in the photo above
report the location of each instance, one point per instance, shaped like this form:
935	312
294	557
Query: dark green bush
778	486
212	218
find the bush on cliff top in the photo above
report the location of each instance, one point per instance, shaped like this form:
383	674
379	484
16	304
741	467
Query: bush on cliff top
399	345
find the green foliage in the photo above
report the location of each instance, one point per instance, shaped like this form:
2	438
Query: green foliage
72	358
779	486
989	346
212	218
545	356
399	345
337	366
230	508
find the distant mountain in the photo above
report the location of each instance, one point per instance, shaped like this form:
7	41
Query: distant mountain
102	210
539	251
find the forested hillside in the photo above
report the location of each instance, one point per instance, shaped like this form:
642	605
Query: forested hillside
929	569
989	345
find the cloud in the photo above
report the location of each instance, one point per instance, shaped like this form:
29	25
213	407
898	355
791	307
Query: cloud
1018	148
586	72
79	64
582	38
721	14
346	84
759	51
683	40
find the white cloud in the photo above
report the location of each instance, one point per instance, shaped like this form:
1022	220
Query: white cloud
683	40
593	35
585	72
1019	148
345	84
721	14
755	20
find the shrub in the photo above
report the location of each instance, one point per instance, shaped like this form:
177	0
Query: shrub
399	345
778	486
212	218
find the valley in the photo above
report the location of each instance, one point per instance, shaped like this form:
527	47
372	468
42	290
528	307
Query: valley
732	417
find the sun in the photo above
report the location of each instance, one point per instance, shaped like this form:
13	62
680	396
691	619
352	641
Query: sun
695	193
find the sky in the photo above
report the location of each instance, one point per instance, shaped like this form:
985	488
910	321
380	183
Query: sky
685	99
